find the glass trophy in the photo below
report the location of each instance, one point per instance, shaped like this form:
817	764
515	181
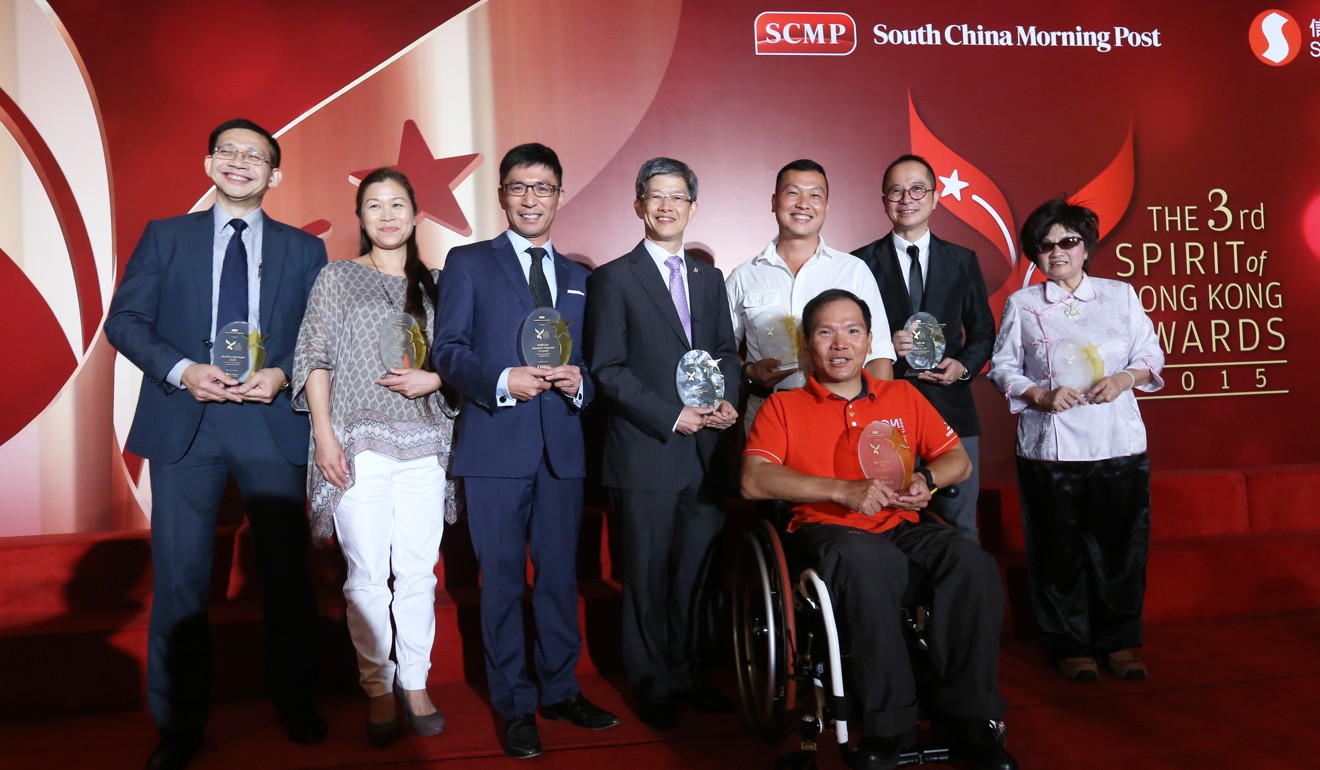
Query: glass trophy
1076	364
699	379
401	342
544	340
885	455
927	343
239	350
781	339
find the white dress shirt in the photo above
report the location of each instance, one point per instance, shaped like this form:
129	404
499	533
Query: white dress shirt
762	291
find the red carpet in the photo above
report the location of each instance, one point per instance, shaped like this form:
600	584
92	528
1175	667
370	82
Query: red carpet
1224	695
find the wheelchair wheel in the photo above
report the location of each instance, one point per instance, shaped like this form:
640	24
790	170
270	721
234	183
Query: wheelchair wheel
763	631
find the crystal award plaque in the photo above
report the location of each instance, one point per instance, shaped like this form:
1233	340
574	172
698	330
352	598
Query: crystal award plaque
699	379
781	338
1076	364
239	350
927	343
544	340
401	342
885	455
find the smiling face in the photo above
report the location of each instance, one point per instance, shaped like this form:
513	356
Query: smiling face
528	215
1060	265
667	218
387	215
839	342
240	185
911	218
800	205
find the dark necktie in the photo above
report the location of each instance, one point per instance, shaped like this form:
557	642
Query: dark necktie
233	303
536	279
915	287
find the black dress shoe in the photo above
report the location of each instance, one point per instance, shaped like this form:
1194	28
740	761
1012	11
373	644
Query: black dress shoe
704	698
580	712
660	713
522	740
874	752
304	724
974	742
173	753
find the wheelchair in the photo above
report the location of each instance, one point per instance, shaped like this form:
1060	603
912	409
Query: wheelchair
786	638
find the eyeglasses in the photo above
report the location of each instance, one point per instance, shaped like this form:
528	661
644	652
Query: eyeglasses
916	192
1071	242
539	189
656	198
227	152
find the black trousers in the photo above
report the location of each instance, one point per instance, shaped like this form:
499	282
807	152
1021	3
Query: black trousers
867	574
1088	537
669	549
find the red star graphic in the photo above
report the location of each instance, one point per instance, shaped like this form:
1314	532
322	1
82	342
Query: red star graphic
433	179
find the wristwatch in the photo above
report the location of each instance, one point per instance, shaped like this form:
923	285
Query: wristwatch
926	474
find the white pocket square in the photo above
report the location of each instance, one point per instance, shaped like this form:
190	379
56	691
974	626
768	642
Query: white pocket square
579	293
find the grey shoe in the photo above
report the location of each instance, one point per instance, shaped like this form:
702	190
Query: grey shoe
425	725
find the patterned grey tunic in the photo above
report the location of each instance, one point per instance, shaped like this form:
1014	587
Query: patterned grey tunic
339	333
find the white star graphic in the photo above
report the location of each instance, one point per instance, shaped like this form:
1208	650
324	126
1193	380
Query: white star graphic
953	186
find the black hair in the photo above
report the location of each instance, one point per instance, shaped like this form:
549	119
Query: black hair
246	125
802	164
826	297
532	154
1058	211
666	167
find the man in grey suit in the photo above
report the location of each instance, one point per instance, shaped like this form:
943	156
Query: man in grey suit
188	278
645	310
918	271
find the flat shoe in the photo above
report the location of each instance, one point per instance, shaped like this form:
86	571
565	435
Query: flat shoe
1079	669
1124	664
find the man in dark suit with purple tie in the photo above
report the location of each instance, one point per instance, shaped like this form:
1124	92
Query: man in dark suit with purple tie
189	277
518	446
645	310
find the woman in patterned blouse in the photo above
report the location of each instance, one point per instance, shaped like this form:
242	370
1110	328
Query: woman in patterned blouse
381	438
1069	355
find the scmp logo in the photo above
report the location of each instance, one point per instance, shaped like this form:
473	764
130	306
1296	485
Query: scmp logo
801	33
1275	38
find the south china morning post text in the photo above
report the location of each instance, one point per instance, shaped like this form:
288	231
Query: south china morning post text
1202	273
1023	35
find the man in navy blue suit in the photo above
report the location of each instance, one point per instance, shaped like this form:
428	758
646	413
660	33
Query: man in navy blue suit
190	276
518	446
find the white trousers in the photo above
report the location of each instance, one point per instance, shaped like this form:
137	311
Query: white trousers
392	519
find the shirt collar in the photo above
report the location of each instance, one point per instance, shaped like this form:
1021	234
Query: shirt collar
822	393
1085	291
521	245
221	220
922	243
658	253
771	253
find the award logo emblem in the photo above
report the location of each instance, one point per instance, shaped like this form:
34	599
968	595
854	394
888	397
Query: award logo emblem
544	340
699	379
885	455
401	342
1077	364
239	350
927	343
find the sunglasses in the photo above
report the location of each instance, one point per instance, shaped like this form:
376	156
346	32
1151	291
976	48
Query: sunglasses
1071	242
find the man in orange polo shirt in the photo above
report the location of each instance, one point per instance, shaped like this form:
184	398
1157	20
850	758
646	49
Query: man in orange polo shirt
859	534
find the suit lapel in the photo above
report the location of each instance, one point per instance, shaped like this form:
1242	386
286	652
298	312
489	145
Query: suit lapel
512	269
199	250
274	248
697	284
938	281
890	276
654	286
561	278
